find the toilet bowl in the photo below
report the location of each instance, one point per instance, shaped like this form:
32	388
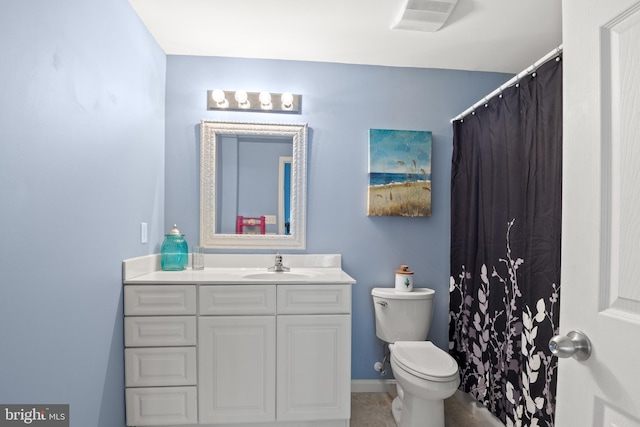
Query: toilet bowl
425	374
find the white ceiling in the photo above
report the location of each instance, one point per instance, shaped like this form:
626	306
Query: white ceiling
480	35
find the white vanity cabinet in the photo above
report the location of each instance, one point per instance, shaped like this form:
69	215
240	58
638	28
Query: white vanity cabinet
216	349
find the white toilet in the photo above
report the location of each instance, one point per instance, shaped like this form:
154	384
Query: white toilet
425	374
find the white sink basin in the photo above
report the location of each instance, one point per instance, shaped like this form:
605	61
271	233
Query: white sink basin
281	276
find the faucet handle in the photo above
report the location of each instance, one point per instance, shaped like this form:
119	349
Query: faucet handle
278	267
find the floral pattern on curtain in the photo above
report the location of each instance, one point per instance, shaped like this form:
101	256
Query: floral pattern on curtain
506	190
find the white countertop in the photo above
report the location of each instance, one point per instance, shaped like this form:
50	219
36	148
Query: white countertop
219	276
230	269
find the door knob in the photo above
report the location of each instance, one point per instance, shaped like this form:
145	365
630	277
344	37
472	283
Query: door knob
575	344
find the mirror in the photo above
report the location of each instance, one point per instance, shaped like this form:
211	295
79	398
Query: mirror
253	185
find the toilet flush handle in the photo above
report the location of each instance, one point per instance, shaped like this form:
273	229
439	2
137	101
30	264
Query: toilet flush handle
382	303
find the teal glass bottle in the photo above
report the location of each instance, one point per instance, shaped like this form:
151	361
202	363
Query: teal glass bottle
174	251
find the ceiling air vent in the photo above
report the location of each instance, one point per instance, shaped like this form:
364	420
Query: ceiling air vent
423	15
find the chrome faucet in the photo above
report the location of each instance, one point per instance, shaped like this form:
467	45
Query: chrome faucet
278	267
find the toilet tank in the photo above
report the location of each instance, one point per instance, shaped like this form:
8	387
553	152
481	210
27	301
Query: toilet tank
402	316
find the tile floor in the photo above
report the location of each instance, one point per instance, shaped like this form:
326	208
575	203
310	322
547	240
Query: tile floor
374	410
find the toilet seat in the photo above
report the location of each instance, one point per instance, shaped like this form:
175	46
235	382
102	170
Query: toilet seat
424	360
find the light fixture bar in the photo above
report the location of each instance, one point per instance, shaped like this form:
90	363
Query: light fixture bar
265	102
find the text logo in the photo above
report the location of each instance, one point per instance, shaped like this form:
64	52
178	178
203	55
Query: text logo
36	415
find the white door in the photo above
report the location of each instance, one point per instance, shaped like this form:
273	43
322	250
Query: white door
601	213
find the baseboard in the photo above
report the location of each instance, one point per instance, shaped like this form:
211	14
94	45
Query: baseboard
478	410
373	386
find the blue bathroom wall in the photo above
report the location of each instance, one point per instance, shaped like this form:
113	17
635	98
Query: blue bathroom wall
81	166
84	135
340	103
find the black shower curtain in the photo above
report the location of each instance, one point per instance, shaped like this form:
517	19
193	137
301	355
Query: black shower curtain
506	193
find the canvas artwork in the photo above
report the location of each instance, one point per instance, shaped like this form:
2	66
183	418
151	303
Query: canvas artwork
399	173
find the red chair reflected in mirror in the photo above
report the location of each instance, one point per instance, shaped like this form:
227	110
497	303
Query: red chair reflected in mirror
250	225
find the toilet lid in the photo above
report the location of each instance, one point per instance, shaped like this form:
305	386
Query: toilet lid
391	293
425	360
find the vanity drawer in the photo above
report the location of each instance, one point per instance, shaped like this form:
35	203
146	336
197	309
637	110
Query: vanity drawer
150	300
237	299
309	299
160	366
162	406
159	331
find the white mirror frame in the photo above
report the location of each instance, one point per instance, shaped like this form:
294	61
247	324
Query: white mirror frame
209	133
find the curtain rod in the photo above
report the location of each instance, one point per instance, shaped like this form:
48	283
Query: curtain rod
511	82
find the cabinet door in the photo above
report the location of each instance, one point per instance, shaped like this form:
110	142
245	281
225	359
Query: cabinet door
314	367
236	360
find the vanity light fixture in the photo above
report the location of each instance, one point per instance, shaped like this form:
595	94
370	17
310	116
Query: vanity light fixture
266	102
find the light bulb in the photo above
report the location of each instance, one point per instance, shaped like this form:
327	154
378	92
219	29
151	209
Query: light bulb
241	96
218	96
287	100
265	98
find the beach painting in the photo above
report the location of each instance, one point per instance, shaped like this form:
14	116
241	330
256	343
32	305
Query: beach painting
399	173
